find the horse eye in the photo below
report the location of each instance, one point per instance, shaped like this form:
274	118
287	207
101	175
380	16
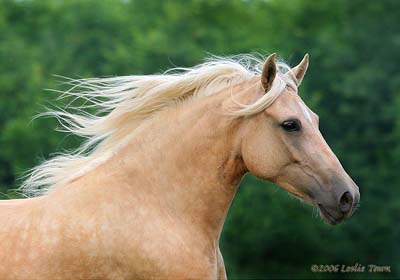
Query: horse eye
291	125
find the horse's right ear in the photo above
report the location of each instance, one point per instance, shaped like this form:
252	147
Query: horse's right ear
269	72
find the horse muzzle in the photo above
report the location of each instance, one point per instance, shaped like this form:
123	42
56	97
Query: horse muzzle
338	204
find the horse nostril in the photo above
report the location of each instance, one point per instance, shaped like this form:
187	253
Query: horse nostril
345	202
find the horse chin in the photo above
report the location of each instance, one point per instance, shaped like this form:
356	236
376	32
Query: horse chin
327	217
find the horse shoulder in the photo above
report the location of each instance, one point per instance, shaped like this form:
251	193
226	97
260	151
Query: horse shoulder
171	252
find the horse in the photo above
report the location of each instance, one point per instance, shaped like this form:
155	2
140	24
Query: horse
146	195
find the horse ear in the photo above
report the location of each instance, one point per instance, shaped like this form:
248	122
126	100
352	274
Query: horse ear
300	70
269	72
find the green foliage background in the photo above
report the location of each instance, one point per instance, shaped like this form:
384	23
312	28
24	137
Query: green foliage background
353	83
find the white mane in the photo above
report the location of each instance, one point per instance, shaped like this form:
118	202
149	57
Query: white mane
121	103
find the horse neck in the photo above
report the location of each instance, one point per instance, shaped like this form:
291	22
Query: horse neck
188	158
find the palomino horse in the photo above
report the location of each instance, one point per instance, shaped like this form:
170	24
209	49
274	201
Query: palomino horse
147	195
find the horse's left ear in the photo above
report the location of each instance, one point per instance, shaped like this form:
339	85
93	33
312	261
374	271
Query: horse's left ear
300	70
269	72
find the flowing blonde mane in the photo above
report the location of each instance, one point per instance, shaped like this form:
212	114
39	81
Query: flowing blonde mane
120	104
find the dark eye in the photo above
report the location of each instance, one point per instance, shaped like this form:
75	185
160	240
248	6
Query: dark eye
291	125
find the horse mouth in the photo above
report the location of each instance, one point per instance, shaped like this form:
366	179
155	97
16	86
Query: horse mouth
328	217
